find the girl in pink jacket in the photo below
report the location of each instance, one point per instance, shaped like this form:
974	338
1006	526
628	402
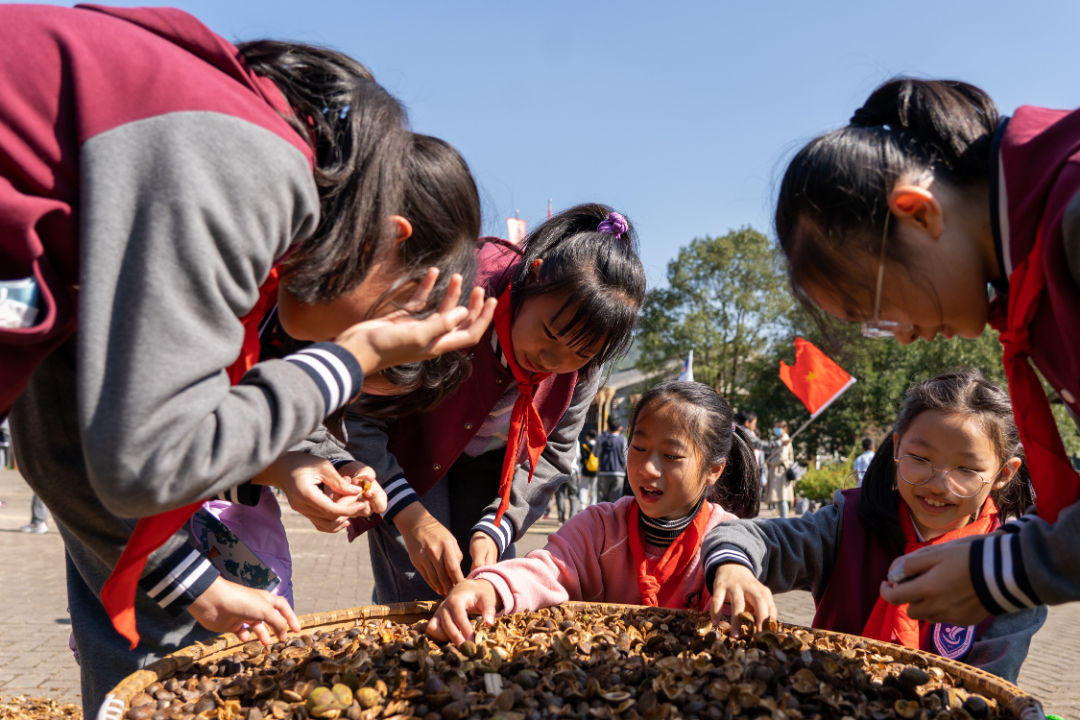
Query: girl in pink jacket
686	464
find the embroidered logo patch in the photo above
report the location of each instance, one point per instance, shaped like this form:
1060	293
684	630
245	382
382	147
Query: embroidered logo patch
953	641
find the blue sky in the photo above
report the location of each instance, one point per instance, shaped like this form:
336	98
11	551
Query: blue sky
680	114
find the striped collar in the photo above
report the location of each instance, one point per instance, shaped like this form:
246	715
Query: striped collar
660	532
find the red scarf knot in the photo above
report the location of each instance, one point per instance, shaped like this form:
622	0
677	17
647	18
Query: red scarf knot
658	579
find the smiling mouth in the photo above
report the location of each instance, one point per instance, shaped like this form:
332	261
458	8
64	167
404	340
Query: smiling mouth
651	492
935	504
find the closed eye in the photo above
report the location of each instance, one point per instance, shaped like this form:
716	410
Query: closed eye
637	448
673	457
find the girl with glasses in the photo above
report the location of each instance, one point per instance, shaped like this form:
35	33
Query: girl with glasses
952	469
930	214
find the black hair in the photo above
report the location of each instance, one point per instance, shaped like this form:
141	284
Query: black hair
357	132
590	434
867	443
965	392
745	417
710	429
832	206
441	201
613	425
599	273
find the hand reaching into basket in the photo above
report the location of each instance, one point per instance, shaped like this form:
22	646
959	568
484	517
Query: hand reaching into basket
451	620
433	550
736	585
229	607
326	496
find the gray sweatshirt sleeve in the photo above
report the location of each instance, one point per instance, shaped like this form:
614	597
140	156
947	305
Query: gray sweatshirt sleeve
794	553
529	500
182	218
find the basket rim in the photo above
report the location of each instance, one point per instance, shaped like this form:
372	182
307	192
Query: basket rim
1021	703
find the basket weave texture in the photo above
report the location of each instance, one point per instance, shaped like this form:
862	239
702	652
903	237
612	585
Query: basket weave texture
1020	703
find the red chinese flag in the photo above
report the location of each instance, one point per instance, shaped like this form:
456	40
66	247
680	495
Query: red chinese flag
814	378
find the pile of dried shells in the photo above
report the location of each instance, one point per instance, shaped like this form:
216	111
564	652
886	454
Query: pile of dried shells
568	663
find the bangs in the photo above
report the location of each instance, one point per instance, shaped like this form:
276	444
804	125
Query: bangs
605	319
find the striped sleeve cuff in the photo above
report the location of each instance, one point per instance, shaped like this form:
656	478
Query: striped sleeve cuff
338	463
334	370
182	577
997	572
399	495
246	494
722	554
502	534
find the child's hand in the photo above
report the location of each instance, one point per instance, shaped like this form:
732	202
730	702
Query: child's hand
483	550
451	620
736	585
401	337
228	607
371	501
433	549
937	584
319	492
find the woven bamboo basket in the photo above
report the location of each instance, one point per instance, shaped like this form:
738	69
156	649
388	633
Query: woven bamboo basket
1020	703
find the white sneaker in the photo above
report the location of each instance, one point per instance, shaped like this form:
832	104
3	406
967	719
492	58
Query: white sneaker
35	527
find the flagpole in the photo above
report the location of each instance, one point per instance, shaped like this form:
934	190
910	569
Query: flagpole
809	420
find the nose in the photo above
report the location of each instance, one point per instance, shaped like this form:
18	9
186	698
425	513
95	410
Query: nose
651	467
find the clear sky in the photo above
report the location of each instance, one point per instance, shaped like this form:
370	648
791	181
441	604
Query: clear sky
680	114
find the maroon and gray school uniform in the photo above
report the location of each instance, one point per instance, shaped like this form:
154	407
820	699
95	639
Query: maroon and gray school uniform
1036	187
413	454
835	556
148	183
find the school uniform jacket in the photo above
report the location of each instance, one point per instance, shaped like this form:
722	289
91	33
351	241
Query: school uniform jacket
411	454
832	554
1037	186
148	182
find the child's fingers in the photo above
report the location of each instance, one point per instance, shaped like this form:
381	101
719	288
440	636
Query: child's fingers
716	608
452	565
738	605
435	627
453	294
423	290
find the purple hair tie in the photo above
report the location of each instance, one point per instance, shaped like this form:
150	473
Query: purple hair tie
615	224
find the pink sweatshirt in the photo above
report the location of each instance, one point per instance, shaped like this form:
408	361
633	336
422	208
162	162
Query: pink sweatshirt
589	559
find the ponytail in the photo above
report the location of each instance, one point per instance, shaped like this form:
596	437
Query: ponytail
739	488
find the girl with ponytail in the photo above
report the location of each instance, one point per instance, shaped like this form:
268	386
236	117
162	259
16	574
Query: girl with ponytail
930	214
689	467
952	469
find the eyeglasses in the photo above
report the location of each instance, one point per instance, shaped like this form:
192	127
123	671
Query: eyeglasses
876	328
961	482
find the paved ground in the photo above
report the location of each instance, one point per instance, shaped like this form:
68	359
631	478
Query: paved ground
332	574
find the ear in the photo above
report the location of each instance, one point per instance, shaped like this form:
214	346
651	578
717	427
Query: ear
401	228
1008	471
895	444
715	471
911	203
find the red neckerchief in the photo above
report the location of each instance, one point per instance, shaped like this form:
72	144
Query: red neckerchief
1056	483
653	575
891	623
524	419
118	592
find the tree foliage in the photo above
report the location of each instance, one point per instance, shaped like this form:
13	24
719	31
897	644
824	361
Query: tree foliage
724	297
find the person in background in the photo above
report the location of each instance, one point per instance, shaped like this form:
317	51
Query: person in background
590	464
780	491
862	462
748	420
611	449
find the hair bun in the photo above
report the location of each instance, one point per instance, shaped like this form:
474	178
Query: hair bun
615	225
864	118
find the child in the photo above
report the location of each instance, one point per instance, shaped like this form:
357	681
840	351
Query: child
487	459
686	465
902	219
158	182
951	469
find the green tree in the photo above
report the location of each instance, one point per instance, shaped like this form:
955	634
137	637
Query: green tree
725	296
